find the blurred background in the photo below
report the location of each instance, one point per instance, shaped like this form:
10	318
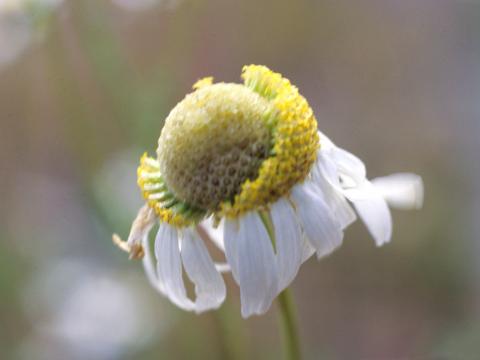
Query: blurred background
84	88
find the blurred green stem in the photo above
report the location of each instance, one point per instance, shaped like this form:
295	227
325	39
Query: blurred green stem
289	325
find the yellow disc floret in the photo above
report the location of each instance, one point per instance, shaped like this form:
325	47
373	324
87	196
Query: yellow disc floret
159	198
295	143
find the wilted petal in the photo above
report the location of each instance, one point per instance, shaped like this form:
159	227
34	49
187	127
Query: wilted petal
148	262
215	233
209	285
318	223
325	176
349	165
141	227
402	190
307	249
249	252
288	241
169	266
373	210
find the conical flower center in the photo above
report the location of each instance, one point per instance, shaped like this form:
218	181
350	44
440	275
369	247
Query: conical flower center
228	148
212	142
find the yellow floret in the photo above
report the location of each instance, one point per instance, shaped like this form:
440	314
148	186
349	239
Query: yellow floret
295	143
157	195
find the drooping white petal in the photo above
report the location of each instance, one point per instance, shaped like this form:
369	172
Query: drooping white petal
141	226
402	190
321	228
368	202
215	235
138	242
169	266
214	232
325	143
373	210
325	176
231	232
343	159
288	241
307	249
348	165
149	266
325	169
249	252
209	285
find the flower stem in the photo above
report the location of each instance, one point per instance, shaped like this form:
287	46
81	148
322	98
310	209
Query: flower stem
289	324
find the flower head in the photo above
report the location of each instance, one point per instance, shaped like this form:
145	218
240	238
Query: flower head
246	165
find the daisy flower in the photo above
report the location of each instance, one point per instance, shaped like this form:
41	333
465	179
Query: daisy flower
246	165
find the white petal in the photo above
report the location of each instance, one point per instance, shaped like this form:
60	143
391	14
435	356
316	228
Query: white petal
318	223
141	226
402	190
325	143
231	233
138	236
215	233
373	210
150	268
348	165
325	176
307	249
209	285
325	169
368	200
249	252
169	266
288	241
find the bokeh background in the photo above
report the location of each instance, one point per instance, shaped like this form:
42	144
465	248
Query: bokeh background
84	88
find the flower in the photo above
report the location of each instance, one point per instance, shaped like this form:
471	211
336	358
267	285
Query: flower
246	165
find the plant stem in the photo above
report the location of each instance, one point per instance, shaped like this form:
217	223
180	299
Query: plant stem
289	325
